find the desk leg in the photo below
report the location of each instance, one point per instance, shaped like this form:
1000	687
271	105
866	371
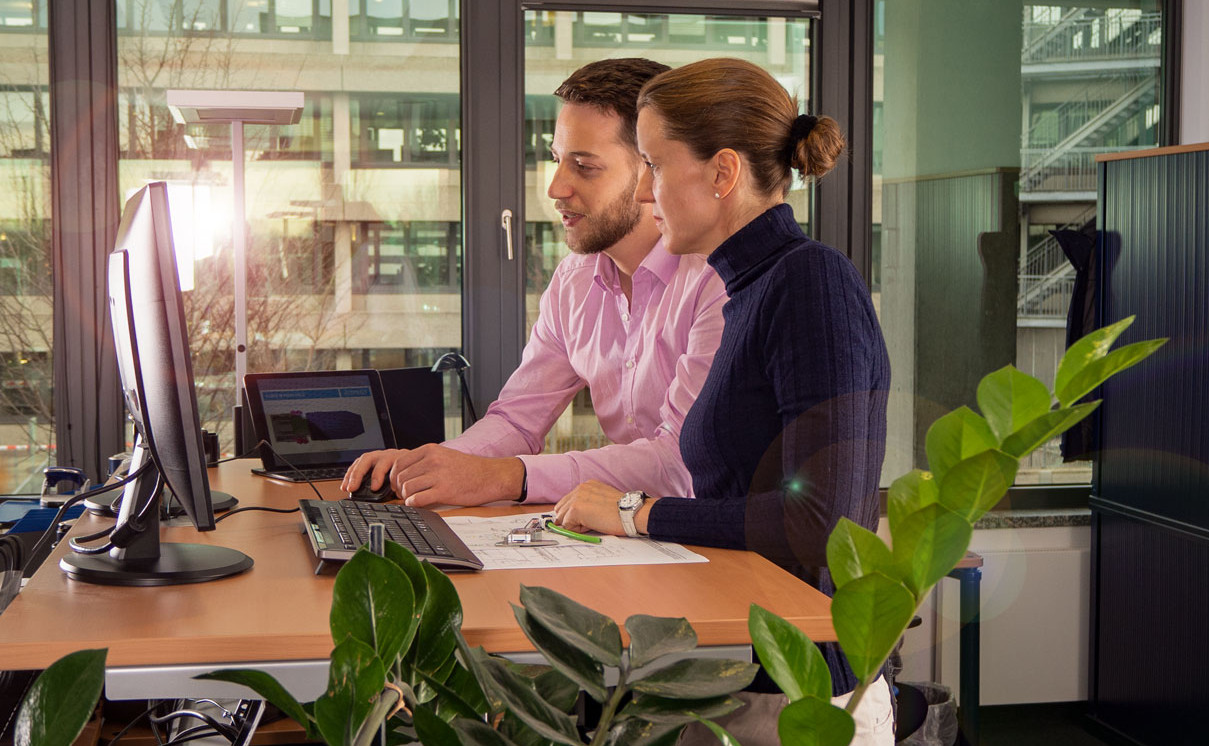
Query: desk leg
970	579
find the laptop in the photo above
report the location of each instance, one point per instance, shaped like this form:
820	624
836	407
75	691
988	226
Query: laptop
317	422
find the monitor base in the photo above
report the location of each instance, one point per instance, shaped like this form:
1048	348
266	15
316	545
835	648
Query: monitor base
177	564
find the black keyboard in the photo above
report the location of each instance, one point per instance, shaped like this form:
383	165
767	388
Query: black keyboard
337	528
307	474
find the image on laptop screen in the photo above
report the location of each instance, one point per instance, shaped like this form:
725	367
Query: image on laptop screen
319	418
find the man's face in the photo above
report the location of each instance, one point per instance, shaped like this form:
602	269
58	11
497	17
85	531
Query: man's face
593	184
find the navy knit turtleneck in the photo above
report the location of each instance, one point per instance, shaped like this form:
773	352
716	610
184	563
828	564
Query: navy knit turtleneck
788	433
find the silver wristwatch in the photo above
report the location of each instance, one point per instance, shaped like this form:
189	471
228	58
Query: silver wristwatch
627	506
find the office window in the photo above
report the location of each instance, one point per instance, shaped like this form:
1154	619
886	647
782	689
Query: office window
353	214
987	119
674	39
26	291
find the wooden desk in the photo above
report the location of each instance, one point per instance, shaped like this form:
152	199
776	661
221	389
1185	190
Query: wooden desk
277	612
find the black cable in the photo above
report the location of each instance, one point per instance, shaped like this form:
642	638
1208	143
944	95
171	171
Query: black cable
226	731
134	721
293	468
229	513
54	522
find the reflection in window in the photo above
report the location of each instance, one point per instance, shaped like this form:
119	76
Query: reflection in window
26	291
406	129
963	208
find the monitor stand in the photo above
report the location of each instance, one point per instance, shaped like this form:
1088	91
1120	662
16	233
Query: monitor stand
109	506
176	564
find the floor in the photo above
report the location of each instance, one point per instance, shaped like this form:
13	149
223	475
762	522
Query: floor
1036	725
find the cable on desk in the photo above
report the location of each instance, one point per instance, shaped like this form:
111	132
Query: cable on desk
54	523
119	534
295	469
224	516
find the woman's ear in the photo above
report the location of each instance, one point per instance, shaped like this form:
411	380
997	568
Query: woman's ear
727	166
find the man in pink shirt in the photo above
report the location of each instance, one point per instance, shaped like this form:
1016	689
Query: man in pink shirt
621	315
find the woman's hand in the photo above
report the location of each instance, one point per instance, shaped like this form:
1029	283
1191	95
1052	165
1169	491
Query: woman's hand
592	506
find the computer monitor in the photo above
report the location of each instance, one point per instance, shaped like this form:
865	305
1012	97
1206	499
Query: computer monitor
152	345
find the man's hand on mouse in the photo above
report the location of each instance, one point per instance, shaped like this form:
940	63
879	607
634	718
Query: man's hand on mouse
433	474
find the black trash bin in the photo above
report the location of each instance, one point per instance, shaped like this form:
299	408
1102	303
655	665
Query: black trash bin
927	714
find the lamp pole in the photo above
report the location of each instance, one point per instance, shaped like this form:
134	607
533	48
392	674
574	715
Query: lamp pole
238	108
239	242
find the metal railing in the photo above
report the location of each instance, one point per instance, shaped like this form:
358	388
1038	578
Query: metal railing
1072	171
1056	125
1080	35
1046	296
1046	255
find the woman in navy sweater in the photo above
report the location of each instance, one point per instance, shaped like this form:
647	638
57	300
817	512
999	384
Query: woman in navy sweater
788	432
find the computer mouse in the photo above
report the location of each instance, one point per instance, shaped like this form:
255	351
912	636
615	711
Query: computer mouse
365	493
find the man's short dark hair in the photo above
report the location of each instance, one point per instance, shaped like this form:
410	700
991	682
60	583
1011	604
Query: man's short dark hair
612	86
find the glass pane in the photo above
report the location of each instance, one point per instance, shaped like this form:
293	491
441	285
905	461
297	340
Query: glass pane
558	43
247	16
26	297
968	275
353	213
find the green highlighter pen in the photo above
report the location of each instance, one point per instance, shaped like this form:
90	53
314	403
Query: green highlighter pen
553	527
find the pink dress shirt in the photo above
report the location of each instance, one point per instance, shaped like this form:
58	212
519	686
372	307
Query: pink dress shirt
644	366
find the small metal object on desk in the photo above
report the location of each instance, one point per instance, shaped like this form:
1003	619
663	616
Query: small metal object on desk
529	535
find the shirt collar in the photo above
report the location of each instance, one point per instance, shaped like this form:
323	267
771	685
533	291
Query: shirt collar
659	263
743	254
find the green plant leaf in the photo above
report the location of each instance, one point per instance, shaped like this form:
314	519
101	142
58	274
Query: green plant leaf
449	701
815	722
788	655
1098	371
1010	399
411	566
576	624
270	690
928	545
521	699
696	678
955	437
1086	350
1050	425
725	738
462	683
909	493
652	637
638	732
679	711
355	680
373	601
478	733
870	615
472	659
974	485
432	730
61	700
557	689
854	551
571	661
441	615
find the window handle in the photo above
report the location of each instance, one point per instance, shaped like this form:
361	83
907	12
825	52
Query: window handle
506	224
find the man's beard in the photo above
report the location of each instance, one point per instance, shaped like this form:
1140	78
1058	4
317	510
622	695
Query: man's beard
610	225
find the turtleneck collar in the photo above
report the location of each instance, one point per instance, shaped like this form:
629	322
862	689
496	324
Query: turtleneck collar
743	256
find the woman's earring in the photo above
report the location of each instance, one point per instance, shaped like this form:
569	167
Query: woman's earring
717	196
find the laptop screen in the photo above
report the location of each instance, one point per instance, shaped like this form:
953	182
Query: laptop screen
318	418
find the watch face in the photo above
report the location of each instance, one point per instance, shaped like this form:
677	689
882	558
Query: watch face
630	501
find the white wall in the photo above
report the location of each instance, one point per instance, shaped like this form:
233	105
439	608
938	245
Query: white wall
1194	74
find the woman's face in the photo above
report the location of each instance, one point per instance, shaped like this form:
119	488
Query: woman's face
681	189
